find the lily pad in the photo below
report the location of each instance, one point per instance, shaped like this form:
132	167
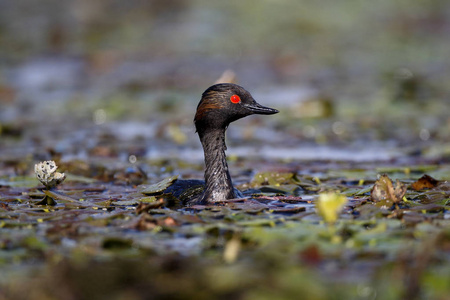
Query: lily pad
272	178
158	187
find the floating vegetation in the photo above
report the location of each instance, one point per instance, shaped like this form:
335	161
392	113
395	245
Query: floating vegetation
276	238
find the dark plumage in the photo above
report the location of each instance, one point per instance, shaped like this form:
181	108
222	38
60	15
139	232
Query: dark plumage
220	105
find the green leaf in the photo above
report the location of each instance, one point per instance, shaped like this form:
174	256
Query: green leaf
158	187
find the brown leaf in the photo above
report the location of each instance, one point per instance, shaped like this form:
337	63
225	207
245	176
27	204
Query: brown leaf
145	207
384	190
424	182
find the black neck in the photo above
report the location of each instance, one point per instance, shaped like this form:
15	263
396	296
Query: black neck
218	181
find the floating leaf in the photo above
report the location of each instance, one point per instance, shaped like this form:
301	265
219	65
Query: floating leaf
146	206
60	197
258	222
357	191
125	203
158	187
292	189
287	199
288	210
272	178
425	182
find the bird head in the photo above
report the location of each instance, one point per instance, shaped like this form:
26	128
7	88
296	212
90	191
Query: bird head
224	103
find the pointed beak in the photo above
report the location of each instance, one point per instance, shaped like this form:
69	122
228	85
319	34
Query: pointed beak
257	108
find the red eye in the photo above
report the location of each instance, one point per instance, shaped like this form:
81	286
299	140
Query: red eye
235	99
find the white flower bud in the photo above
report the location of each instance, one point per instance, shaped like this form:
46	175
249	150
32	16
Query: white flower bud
46	173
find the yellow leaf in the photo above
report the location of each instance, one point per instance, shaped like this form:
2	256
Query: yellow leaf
329	206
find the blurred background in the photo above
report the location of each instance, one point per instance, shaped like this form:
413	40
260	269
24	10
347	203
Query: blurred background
352	79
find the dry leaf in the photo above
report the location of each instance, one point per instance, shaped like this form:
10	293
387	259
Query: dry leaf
384	190
425	182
